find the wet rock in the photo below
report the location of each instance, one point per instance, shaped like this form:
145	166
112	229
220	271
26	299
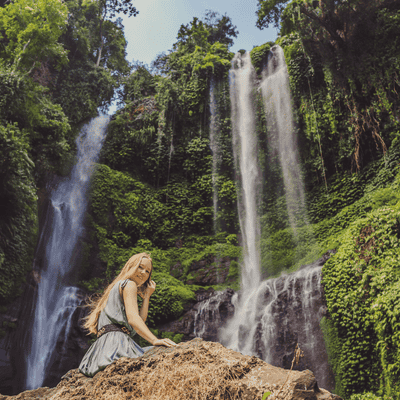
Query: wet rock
204	317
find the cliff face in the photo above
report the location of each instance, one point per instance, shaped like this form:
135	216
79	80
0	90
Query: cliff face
195	369
10	319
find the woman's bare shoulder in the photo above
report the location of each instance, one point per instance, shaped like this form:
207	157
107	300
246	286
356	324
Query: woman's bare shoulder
130	285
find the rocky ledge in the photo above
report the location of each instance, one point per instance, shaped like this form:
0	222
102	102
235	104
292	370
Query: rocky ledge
191	370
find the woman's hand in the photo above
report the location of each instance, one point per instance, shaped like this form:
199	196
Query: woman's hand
164	342
149	290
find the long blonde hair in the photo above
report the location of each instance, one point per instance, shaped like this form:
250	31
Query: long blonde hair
97	305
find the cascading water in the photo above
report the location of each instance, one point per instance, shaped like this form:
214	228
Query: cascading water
271	316
56	301
245	151
289	311
214	149
278	109
208	316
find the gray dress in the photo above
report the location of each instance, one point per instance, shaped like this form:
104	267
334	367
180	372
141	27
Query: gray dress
112	345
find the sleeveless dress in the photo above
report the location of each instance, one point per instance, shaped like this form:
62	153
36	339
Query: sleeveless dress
112	345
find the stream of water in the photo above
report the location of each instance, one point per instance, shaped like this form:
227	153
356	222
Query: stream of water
281	134
56	300
270	316
214	150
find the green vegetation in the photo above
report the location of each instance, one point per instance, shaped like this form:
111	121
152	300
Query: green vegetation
361	288
60	62
259	56
49	85
344	73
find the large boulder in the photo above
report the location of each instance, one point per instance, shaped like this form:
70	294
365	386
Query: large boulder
195	369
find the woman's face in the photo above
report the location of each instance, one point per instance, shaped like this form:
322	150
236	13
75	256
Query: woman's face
142	272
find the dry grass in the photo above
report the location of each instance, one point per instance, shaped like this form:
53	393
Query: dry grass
196	374
195	370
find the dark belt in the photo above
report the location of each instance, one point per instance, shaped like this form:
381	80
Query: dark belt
112	328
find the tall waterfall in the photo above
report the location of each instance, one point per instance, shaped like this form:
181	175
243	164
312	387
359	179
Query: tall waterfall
214	149
271	316
55	300
278	110
245	153
247	167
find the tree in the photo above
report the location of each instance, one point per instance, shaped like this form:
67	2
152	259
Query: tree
221	29
110	8
29	32
214	28
269	12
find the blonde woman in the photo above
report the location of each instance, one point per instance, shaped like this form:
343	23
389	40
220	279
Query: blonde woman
115	317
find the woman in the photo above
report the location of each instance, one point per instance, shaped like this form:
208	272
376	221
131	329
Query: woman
115	318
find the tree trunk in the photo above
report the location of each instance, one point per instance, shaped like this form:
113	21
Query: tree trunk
101	45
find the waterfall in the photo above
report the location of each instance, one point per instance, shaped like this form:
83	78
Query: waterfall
289	310
241	80
208	317
245	151
214	150
281	137
271	316
56	300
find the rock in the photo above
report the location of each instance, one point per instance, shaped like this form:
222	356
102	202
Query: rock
195	369
10	321
283	297
218	309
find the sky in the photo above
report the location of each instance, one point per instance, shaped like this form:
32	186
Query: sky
155	28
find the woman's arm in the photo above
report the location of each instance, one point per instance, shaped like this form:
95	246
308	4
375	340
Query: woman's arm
132	314
145	308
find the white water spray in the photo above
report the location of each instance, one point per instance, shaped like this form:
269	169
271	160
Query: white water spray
214	149
245	153
278	109
55	300
271	316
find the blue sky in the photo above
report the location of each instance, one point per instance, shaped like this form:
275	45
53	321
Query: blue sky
155	28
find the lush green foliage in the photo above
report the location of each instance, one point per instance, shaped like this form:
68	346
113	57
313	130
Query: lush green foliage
350	198
369	396
30	30
25	103
49	84
269	11
361	288
89	79
161	137
259	56
33	141
345	80
343	61
18	221
127	216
